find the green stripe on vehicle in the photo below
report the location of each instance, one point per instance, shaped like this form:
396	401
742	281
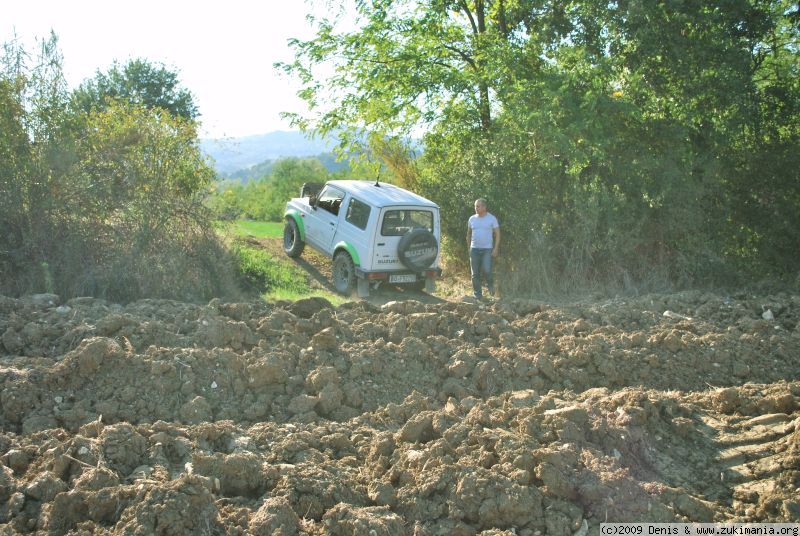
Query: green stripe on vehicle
299	221
350	249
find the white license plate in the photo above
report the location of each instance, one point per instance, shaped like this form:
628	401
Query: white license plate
402	278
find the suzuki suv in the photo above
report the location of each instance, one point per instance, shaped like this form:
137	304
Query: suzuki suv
373	232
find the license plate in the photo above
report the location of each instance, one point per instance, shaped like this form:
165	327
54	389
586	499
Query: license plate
402	278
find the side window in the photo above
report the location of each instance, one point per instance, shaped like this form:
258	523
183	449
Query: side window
357	213
330	199
399	222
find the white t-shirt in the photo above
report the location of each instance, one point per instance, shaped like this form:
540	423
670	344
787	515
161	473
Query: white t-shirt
482	230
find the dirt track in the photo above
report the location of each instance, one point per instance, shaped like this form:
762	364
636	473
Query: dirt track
407	418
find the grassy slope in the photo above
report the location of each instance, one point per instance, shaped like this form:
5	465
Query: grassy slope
276	278
258	229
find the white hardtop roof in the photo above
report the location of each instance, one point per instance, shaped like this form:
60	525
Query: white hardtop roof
384	195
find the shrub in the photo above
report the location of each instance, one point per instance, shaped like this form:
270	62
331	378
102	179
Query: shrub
107	203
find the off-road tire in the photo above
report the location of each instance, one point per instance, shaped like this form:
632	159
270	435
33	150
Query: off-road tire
424	284
344	273
417	249
293	245
418	285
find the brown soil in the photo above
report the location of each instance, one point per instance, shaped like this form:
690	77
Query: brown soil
522	417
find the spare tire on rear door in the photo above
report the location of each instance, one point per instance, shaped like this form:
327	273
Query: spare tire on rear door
417	249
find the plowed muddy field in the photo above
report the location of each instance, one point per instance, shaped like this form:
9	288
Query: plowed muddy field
515	417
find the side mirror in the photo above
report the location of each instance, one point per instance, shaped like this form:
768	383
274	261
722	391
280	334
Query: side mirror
312	200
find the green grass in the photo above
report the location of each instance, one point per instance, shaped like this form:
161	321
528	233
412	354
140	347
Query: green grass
274	278
258	229
277	279
266	272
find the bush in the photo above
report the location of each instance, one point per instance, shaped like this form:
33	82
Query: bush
573	222
107	204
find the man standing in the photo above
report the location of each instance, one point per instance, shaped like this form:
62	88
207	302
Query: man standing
483	238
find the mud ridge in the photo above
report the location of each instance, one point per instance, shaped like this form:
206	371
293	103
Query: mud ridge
522	417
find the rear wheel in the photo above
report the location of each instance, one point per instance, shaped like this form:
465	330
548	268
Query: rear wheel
424	284
344	273
292	243
418	285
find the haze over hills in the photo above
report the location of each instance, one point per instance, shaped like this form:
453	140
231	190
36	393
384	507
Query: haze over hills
234	154
251	157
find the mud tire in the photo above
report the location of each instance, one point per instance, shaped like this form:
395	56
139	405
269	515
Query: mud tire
293	245
344	273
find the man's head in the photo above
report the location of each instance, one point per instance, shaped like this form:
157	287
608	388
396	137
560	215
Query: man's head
480	206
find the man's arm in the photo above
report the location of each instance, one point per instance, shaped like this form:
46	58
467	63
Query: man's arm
469	235
496	248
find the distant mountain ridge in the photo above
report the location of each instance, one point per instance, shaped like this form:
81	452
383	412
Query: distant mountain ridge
233	154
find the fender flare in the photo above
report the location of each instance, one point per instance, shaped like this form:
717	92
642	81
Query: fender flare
350	250
298	219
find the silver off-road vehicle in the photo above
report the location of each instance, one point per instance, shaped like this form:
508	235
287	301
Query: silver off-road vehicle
374	232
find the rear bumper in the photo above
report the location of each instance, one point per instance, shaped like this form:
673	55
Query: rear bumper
384	274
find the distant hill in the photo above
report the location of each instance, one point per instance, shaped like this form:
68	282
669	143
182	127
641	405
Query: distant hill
233	154
262	169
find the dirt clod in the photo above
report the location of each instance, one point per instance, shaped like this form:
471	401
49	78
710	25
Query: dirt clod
513	417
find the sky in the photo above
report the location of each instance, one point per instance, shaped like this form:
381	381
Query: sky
223	51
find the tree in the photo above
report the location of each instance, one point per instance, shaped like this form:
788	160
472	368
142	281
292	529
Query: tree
287	177
138	82
106	202
264	198
623	140
142	180
36	140
408	64
15	157
763	154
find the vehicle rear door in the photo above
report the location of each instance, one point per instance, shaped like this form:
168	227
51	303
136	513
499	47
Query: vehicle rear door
394	223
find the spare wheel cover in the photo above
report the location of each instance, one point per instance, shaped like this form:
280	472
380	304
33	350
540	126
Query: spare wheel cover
417	249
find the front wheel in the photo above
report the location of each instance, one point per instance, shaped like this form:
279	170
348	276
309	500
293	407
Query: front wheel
292	243
344	273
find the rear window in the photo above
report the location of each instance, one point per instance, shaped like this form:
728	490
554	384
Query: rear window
399	222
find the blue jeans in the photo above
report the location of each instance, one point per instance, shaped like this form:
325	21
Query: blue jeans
480	264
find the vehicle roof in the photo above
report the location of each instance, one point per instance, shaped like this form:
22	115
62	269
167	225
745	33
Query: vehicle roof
381	194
